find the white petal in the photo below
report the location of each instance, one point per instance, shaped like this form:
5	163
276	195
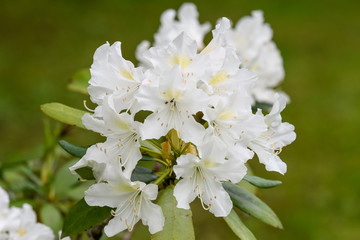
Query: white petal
216	198
152	215
4	199
104	194
184	194
115	226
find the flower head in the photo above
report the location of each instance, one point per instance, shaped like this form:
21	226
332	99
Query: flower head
202	177
132	201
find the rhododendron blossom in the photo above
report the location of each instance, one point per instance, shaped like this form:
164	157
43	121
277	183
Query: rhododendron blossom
192	108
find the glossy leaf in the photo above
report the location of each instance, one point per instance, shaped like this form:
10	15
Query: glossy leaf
76	151
82	217
261	182
178	221
143	174
252	205
64	114
79	82
238	227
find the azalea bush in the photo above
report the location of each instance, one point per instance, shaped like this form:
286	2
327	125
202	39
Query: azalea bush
180	126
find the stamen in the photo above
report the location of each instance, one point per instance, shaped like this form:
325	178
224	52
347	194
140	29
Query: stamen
87	108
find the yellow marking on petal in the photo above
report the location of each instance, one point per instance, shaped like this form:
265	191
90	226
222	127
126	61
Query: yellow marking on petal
208	163
182	60
226	115
122	124
254	68
121	188
21	232
221	77
172	94
127	74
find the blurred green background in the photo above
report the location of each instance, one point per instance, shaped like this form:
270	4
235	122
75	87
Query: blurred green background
42	43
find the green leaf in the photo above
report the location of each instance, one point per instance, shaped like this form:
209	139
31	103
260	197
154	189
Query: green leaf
261	182
76	151
178	221
141	115
252	205
51	217
143	174
85	173
150	148
146	158
79	82
63	113
238	227
82	217
64	181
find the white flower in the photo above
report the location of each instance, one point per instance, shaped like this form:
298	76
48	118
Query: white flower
173	101
252	40
112	74
188	23
270	143
249	35
231	121
122	139
181	51
202	177
25	227
4	207
132	201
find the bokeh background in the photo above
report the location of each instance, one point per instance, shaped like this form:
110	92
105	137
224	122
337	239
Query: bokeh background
42	43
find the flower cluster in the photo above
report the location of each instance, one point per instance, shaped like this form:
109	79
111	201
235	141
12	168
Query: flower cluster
20	223
198	101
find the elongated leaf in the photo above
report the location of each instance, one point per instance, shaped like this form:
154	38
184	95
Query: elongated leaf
82	217
51	217
79	81
238	227
64	181
143	174
76	151
85	173
252	205
178	222
148	147
261	182
146	158
63	113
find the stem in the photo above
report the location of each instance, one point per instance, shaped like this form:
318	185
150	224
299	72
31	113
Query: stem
149	150
163	176
161	161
